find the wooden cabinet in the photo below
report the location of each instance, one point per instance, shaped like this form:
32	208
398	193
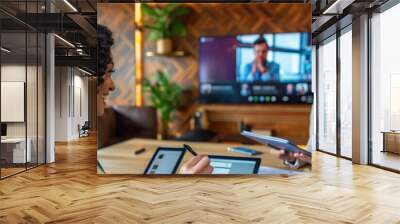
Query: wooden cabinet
391	142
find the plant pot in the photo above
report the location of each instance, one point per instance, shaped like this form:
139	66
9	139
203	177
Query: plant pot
164	46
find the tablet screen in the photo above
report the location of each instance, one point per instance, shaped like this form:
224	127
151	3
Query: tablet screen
165	161
234	165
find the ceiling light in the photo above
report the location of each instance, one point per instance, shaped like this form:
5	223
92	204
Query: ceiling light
337	7
5	50
70	5
65	41
84	71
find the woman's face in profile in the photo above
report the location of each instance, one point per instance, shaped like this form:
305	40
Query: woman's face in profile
104	89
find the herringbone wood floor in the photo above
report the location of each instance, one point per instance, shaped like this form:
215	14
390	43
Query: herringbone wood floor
70	191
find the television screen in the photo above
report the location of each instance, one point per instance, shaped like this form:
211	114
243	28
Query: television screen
256	68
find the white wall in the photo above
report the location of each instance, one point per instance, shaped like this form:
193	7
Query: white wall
71	94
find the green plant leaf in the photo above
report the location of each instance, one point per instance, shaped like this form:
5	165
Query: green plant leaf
154	35
164	94
180	11
170	7
160	12
148	10
178	29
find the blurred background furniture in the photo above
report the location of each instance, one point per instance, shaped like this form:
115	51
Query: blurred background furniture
84	130
198	134
13	151
391	141
120	123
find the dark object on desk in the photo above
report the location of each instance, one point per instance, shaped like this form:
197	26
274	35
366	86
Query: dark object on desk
198	136
391	141
139	151
120	123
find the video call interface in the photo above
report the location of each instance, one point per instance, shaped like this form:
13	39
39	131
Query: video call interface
230	71
232	166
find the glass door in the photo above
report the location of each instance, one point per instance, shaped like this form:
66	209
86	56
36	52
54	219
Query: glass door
385	89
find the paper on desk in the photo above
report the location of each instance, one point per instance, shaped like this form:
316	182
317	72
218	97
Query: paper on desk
275	171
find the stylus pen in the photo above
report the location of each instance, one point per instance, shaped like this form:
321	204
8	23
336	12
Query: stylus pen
187	147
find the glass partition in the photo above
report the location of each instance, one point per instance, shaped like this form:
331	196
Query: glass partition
14	145
327	96
346	94
385	89
22	77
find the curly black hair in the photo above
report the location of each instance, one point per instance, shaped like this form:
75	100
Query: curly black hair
104	43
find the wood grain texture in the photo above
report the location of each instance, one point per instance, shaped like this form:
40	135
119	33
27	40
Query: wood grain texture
70	191
285	121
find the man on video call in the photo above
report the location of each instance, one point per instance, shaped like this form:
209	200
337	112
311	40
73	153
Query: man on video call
260	69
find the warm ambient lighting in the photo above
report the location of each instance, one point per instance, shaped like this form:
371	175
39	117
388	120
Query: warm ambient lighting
70	5
5	50
65	41
138	56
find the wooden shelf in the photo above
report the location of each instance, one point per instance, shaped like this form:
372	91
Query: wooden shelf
172	54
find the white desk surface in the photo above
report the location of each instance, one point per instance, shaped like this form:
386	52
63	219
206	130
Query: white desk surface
13	140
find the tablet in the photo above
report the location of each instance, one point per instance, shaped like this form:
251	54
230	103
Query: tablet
277	143
165	161
234	165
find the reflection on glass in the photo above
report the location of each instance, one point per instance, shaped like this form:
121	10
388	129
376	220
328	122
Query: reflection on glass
385	89
327	97
346	94
15	151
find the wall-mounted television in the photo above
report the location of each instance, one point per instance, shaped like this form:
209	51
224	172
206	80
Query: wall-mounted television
255	68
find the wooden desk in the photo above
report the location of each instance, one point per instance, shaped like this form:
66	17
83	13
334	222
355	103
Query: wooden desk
13	150
121	159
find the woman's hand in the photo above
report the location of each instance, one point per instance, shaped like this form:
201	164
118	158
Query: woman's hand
197	165
292	157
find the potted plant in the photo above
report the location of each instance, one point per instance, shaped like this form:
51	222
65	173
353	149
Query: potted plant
164	23
164	95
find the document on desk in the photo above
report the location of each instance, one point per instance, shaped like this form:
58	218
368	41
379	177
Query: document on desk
274	171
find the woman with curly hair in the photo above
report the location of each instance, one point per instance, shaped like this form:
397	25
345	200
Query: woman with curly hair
197	165
105	67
